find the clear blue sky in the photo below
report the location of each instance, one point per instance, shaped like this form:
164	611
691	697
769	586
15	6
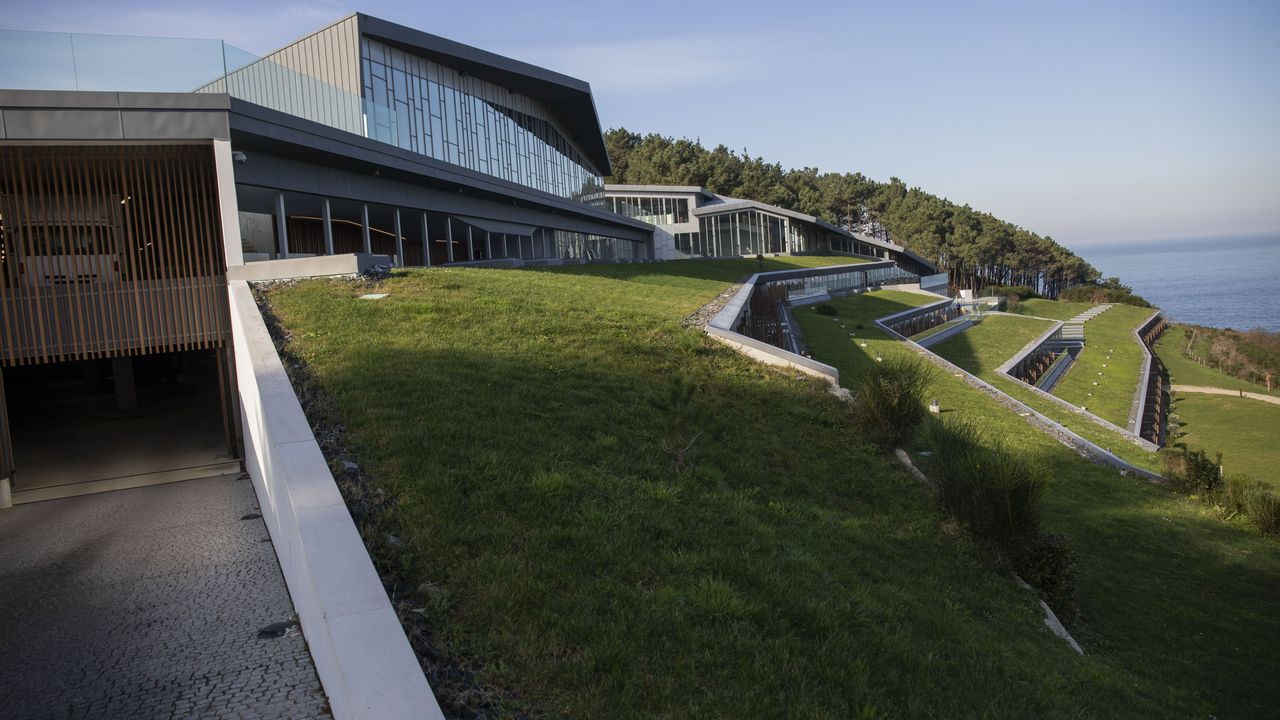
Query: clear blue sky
1090	122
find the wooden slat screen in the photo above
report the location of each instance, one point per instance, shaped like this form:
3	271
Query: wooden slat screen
107	251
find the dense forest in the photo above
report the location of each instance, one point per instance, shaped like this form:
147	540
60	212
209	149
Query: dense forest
978	249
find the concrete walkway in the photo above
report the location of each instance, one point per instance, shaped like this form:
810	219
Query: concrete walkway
1204	389
147	603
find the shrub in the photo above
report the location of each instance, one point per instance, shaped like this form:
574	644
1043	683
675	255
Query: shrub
1019	292
993	490
1255	500
825	309
889	403
1103	293
683	422
1193	471
996	493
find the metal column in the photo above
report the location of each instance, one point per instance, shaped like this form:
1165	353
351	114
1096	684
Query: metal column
426	242
399	241
364	228
282	230
328	228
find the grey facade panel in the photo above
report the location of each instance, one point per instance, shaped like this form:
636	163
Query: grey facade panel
148	125
63	125
175	101
39	99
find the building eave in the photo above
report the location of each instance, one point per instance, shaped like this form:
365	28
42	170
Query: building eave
569	97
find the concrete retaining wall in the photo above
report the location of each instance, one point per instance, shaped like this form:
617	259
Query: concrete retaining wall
956	329
301	267
1096	452
1139	404
368	670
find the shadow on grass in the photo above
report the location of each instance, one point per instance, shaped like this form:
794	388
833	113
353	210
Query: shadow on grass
1169	591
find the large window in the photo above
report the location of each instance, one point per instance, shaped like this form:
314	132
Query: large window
581	246
747	232
432	109
653	210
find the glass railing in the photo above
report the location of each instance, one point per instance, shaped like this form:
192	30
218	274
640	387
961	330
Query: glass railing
78	61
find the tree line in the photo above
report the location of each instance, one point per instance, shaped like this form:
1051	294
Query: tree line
978	249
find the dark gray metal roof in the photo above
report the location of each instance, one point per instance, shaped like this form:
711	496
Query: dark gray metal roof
569	97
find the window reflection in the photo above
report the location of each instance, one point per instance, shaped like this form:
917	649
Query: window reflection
426	107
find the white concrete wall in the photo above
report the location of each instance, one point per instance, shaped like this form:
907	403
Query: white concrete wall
368	670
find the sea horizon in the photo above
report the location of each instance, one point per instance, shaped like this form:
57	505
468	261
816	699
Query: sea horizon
1225	282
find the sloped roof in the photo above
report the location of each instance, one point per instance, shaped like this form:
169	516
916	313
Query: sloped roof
569	97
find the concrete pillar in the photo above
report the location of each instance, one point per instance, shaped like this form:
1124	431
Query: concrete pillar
471	245
228	207
448	236
6	493
282	231
488	245
399	241
426	242
364	228
328	228
122	377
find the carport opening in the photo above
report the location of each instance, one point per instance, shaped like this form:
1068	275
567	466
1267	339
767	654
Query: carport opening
132	420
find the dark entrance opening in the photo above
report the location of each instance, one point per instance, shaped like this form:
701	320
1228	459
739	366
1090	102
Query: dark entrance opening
106	424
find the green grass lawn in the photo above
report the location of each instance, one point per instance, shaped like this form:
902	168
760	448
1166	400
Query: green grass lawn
1242	429
1112	397
1185	371
1051	309
1172	595
517	418
984	347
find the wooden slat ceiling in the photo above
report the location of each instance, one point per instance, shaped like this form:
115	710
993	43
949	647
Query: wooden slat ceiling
108	251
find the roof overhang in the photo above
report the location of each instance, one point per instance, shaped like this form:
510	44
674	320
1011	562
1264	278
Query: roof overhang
569	97
659	190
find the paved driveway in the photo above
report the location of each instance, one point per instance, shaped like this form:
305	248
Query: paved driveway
148	603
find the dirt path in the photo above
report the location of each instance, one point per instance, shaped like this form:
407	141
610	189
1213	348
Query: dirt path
1226	391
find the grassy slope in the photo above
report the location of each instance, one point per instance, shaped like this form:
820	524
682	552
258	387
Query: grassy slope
1185	371
1051	309
983	352
1171	594
1243	430
513	415
1112	397
984	347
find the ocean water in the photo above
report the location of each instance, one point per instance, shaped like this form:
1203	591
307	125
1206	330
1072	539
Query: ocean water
1219	282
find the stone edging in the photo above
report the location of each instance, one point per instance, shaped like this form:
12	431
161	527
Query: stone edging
1099	421
361	654
1144	376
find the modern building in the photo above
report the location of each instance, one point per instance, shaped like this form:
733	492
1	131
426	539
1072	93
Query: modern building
137	175
693	222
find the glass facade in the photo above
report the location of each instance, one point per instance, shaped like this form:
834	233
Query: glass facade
653	210
826	284
840	243
747	232
426	107
581	246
